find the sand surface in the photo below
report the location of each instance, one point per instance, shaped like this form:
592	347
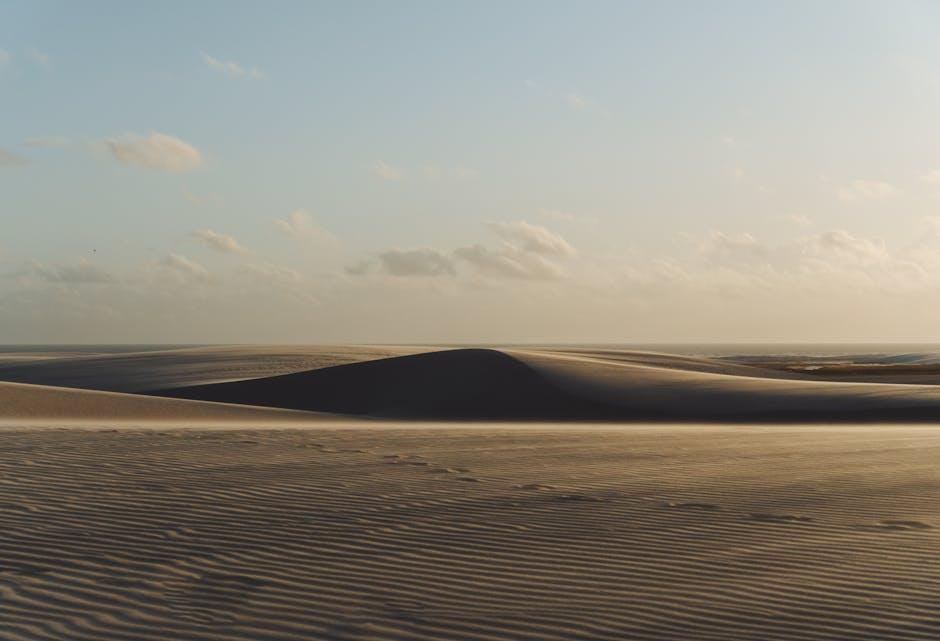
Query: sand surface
491	533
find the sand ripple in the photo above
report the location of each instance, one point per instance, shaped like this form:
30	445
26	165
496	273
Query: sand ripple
641	532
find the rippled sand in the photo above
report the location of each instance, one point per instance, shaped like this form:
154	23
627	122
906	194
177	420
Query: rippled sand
471	532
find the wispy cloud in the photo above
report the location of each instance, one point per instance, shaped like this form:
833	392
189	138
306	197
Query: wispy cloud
219	242
534	239
156	151
185	267
231	68
5	58
83	272
300	225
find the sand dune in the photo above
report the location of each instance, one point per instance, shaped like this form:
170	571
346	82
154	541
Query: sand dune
21	403
142	370
495	384
471	534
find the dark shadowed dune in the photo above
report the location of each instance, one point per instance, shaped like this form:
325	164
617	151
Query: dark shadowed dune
472	384
452	384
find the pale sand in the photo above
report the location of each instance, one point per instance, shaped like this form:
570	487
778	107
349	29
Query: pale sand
491	533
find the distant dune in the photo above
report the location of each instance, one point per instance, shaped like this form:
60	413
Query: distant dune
475	384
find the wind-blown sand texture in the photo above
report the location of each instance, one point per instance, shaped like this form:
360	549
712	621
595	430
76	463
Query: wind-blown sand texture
489	533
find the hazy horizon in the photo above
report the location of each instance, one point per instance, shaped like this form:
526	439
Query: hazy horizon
519	172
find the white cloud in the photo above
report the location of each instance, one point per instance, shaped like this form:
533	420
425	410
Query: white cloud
156	151
219	242
932	176
84	272
800	220
299	224
230	68
185	267
385	171
40	58
866	190
10	159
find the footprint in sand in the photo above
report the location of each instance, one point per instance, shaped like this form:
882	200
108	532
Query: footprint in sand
177	533
578	497
535	486
896	525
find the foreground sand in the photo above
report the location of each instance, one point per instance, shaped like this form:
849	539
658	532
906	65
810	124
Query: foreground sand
489	532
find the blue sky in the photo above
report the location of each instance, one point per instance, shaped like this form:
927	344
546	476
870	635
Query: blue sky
601	171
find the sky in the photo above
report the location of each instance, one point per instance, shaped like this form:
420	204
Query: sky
469	172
